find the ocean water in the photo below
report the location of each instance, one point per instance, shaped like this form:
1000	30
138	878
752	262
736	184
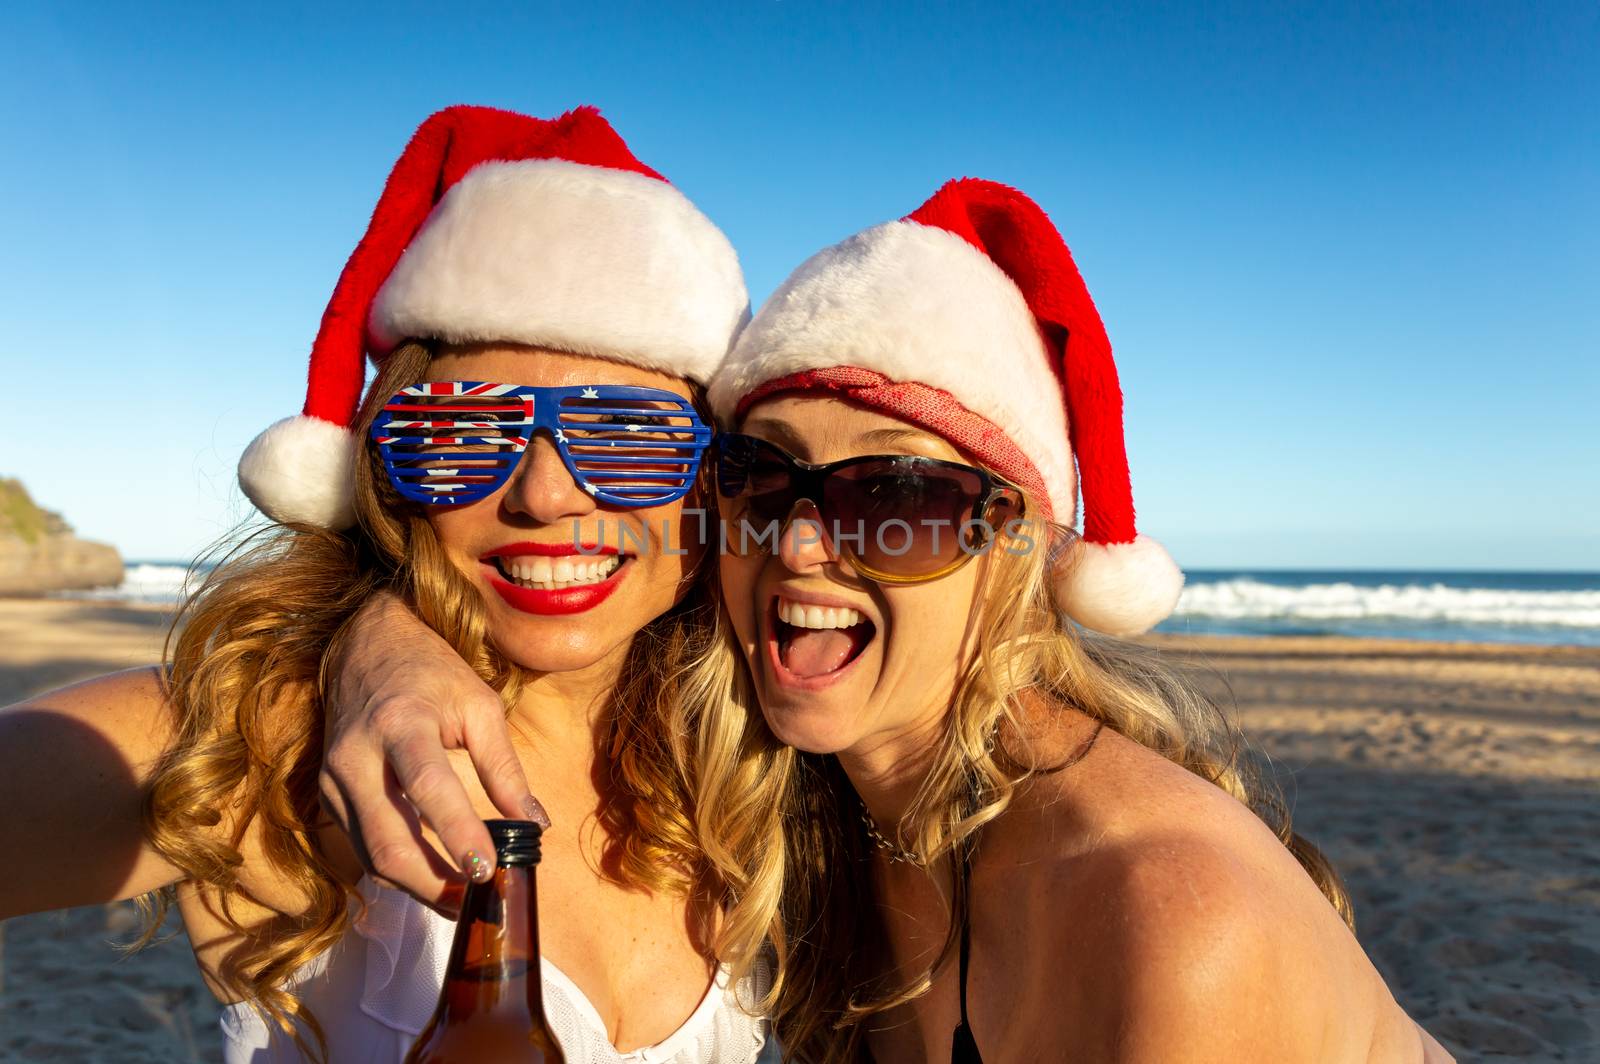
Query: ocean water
1474	606
1483	607
160	583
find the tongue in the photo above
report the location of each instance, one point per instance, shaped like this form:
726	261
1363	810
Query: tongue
815	651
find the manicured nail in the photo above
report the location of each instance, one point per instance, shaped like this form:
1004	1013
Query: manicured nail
477	869
535	812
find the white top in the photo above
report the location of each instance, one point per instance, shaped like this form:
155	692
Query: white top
376	989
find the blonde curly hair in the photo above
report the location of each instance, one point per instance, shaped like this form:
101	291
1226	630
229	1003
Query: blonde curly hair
247	672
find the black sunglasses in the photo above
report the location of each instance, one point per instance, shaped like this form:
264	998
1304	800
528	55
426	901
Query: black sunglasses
898	519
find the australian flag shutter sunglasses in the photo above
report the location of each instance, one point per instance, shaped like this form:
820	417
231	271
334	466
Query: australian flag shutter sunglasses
454	442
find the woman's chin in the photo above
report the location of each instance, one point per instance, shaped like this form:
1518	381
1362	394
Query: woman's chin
556	648
812	724
545	662
567	642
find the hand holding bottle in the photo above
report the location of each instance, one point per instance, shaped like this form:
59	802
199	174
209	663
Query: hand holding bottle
491	1007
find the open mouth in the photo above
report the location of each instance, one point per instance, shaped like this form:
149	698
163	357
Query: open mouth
812	642
538	573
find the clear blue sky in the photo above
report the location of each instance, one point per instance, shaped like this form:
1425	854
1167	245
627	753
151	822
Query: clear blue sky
1349	257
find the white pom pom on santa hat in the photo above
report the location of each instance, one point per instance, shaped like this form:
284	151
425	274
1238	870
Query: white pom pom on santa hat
496	226
1116	588
969	316
301	470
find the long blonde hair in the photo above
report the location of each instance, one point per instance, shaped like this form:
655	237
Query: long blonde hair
247	670
802	852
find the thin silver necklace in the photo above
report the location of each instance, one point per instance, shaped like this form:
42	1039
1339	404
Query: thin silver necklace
892	850
900	855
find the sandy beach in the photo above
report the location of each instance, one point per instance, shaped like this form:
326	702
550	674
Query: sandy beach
1454	785
66	993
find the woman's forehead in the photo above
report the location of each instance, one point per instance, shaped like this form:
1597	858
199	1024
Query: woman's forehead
826	428
541	367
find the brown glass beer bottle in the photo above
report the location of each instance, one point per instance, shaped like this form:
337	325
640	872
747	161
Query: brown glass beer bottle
491	1008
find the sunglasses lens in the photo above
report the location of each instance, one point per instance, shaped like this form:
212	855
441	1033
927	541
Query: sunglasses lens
631	451
451	442
902	516
756	482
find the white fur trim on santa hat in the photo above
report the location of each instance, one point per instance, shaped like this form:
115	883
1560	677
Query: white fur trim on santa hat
1119	588
915	303
301	469
581	258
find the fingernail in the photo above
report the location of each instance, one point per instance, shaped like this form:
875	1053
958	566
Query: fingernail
477	869
535	812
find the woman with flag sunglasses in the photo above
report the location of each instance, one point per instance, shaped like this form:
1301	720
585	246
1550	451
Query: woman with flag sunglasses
544	311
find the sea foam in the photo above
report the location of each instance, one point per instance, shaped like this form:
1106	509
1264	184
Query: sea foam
1243	598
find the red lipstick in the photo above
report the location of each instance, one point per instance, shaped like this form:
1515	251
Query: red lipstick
549	602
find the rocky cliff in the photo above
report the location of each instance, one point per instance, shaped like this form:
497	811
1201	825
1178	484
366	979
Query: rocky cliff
39	553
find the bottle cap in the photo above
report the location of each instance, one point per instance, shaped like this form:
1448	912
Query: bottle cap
516	842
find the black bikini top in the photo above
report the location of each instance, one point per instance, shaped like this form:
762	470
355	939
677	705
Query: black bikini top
963	1047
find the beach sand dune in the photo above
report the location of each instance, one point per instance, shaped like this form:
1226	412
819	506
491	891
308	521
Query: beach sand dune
1455	786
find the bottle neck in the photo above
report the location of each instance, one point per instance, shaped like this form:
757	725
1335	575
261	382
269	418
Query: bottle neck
494	960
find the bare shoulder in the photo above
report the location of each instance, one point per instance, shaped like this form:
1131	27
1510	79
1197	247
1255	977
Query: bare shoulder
1123	802
1179	927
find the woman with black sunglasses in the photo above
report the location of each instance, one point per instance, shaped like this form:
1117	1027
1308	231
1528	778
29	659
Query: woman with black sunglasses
1006	839
544	311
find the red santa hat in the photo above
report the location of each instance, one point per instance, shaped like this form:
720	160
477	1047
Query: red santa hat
969	317
495	226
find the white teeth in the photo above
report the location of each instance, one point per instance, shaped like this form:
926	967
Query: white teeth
553	574
803	616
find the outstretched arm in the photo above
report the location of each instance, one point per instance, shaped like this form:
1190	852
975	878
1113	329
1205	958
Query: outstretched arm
73	767
401	697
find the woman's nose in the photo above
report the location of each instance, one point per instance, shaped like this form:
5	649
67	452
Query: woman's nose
542	488
803	543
